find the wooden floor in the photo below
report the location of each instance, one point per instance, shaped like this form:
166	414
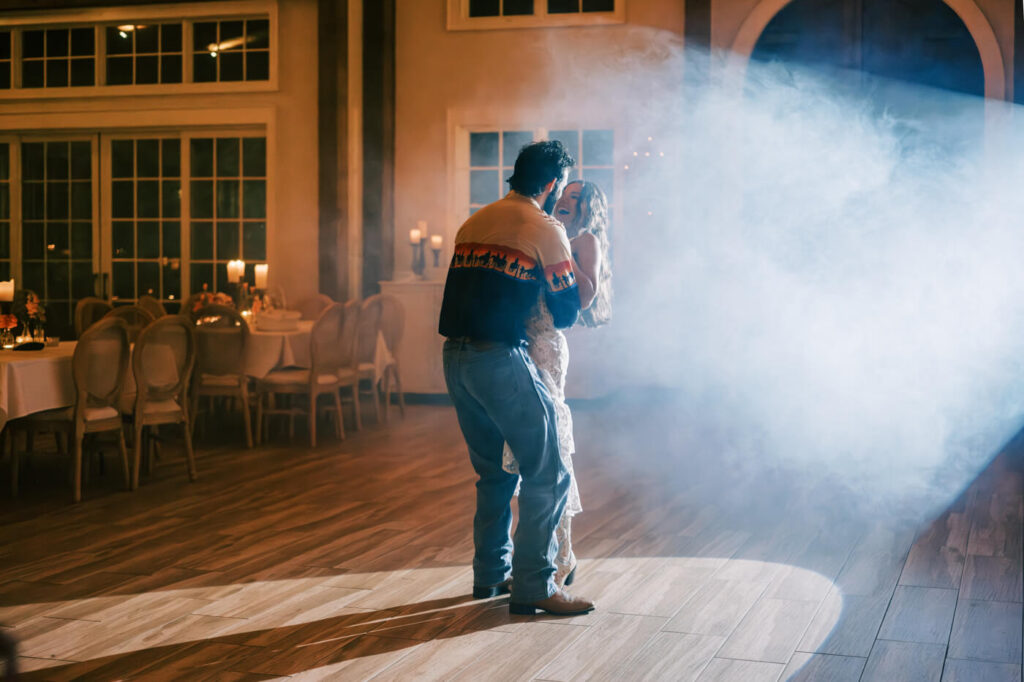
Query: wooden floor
352	562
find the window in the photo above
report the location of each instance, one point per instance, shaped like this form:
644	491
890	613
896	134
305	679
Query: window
231	50
145	236
594	154
491	158
503	14
228	209
5	60
57	225
58	57
5	211
138	54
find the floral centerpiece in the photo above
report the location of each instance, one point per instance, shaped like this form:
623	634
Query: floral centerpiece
208	298
29	313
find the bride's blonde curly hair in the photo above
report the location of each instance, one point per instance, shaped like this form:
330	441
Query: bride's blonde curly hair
592	217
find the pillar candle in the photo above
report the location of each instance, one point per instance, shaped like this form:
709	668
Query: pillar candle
261	275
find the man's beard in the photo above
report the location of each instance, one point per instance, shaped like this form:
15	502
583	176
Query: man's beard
549	203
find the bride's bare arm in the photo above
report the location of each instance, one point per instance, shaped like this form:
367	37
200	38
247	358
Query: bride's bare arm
586	264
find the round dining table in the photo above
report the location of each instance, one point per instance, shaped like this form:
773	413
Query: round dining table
267	350
35	380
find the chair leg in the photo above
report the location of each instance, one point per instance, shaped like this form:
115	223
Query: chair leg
244	395
339	416
375	395
124	459
14	462
138	453
398	387
386	391
189	454
259	417
312	418
355	405
77	483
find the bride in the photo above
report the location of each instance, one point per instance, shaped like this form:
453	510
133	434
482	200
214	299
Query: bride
583	210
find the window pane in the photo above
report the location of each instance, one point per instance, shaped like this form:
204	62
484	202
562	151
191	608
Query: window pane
170	69
81	240
5	240
597	148
517	7
57	235
569	138
119	71
204	34
32	74
147	39
5	161
170	37
202	242
81	200
202	158
5	44
83	72
171	198
122	162
563	6
204	68
33	242
227	157
484	8
230	34
227	241
147	69
118	43
57	200
32	44
148	158
254	157
148	239
81	280
227	199
124	280
5	75
484	187
171	158
58	280
254	197
483	149
5	202
231	66
82	42
33	201
56	73
172	282
512	142
172	239
202	199
148	199
123	239
149	279
598	5
81	160
257	33
257	66
122	199
254	241
202	277
57	42
32	160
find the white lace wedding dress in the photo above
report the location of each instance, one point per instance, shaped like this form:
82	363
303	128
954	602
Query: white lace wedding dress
550	353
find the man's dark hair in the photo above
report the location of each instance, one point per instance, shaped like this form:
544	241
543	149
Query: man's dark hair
538	164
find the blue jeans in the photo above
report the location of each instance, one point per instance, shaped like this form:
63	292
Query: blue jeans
499	398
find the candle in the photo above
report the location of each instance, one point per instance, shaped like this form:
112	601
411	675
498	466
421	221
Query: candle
436	241
261	275
236	269
415	236
7	290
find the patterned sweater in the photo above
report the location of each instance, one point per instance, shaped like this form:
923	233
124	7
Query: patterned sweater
506	254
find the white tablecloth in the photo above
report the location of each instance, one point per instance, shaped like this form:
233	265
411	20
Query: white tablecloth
267	350
34	381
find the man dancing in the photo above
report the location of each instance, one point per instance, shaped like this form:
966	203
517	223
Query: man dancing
507	255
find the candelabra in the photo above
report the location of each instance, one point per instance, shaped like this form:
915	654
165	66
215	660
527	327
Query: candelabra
419	263
436	248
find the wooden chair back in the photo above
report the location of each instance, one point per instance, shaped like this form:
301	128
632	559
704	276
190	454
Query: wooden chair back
221	337
88	311
313	307
163	360
134	317
99	366
152	306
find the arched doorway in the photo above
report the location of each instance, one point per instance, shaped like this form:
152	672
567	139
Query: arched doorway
883	49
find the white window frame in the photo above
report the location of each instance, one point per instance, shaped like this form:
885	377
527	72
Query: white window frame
458	18
186	13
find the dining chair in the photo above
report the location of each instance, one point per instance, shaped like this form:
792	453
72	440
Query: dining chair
89	310
221	337
163	359
366	350
327	359
392	326
312	307
152	306
98	367
135	318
